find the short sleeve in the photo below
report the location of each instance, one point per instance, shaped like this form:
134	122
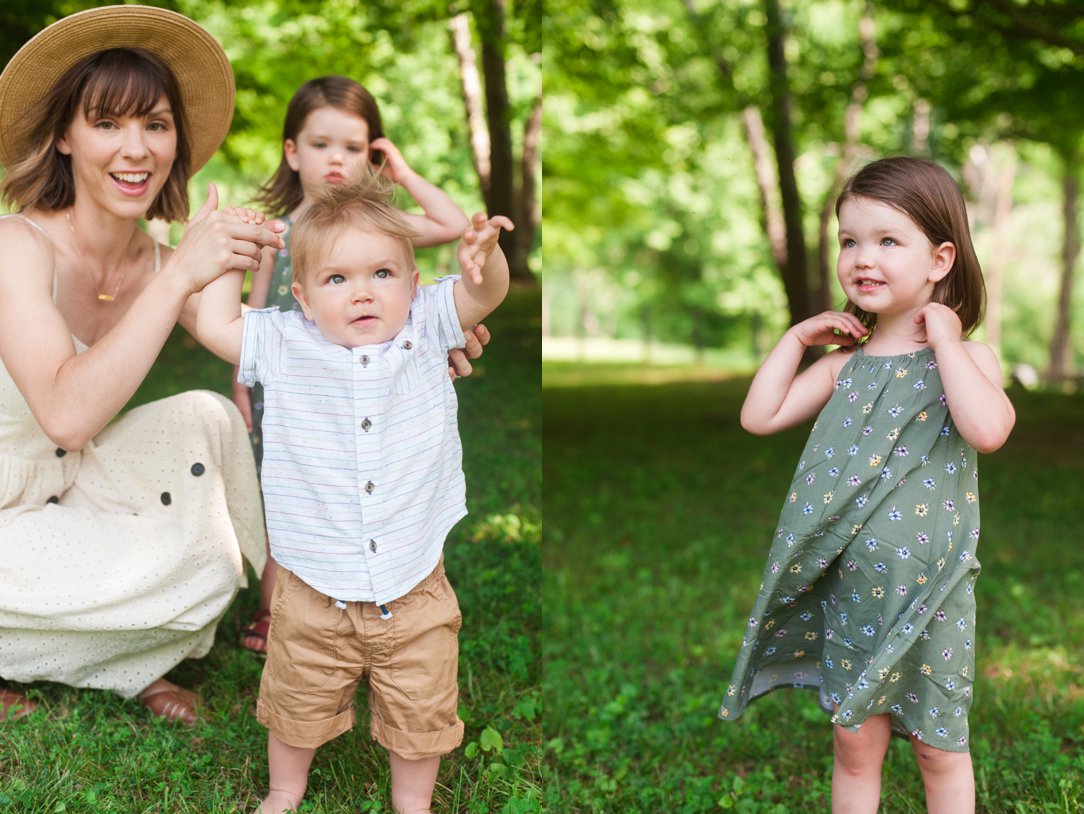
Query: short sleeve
441	315
260	338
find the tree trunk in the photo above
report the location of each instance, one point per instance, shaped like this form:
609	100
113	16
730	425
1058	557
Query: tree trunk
491	145
796	270
1060	362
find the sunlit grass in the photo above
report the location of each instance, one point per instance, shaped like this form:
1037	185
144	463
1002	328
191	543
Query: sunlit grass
660	510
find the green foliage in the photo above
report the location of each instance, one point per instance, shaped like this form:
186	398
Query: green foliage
89	751
660	510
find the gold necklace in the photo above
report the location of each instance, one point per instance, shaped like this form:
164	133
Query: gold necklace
102	297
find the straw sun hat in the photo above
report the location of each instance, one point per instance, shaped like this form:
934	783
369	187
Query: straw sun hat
193	56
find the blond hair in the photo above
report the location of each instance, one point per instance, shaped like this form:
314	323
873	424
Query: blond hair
365	205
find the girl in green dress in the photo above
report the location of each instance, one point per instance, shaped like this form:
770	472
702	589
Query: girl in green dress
868	592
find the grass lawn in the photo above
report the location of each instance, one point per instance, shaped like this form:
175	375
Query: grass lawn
89	751
659	515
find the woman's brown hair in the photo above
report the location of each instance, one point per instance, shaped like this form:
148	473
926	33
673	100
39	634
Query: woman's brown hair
929	196
115	82
283	192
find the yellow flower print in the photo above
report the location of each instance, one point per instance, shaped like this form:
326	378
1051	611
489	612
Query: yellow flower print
941	564
956	520
892	436
881	700
867	409
796	568
811	635
874	460
882	674
896	677
769	624
922	579
730	691
971	497
828	497
857	527
793	497
922	509
845	664
901	373
922	416
799	654
724	712
926	670
878	592
965	670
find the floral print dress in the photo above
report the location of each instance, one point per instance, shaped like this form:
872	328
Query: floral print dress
868	592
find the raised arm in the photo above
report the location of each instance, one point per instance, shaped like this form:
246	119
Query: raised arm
219	324
443	221
484	283
972	379
73	396
780	397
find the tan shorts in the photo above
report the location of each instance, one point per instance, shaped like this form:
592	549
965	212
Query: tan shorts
318	653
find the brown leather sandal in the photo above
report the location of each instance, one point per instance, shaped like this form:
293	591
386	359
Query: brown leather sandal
257	631
173	704
14	705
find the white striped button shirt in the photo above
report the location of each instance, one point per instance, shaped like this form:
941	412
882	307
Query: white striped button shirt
362	463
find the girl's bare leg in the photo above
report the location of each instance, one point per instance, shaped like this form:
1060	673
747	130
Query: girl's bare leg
856	772
949	779
412	783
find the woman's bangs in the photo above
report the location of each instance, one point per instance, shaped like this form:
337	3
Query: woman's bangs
124	89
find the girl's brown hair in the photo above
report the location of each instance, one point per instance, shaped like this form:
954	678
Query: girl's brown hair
115	82
929	196
283	191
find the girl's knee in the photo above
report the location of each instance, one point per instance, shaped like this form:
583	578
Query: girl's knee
934	759
864	748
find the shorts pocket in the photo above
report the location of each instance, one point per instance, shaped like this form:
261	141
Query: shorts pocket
302	651
426	658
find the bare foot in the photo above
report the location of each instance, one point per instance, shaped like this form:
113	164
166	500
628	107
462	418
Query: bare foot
277	802
167	700
14	705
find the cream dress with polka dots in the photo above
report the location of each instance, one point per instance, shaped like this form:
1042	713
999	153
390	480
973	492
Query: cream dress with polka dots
117	561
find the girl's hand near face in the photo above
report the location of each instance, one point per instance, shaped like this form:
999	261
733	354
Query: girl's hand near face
830	328
942	324
391	163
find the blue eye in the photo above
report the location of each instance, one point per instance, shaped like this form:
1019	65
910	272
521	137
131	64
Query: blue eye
847	243
336	279
383	274
888	241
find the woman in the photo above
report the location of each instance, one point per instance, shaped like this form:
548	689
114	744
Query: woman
123	541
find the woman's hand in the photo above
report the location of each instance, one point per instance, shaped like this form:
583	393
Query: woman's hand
829	328
459	359
215	242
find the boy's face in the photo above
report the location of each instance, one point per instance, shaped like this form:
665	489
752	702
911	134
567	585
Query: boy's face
359	292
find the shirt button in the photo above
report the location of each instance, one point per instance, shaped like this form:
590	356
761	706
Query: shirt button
408	345
365	424
166	499
372	546
198	469
369	487
60	453
364	360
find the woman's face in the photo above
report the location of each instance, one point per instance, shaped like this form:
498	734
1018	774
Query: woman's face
121	161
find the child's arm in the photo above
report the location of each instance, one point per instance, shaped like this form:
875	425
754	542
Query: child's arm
780	397
257	298
219	323
484	283
971	376
443	221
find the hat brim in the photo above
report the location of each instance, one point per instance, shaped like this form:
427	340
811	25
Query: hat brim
196	60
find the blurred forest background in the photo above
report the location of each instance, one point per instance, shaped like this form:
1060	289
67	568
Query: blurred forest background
459	86
694	151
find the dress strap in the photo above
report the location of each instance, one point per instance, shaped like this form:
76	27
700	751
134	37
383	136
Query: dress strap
39	227
157	256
